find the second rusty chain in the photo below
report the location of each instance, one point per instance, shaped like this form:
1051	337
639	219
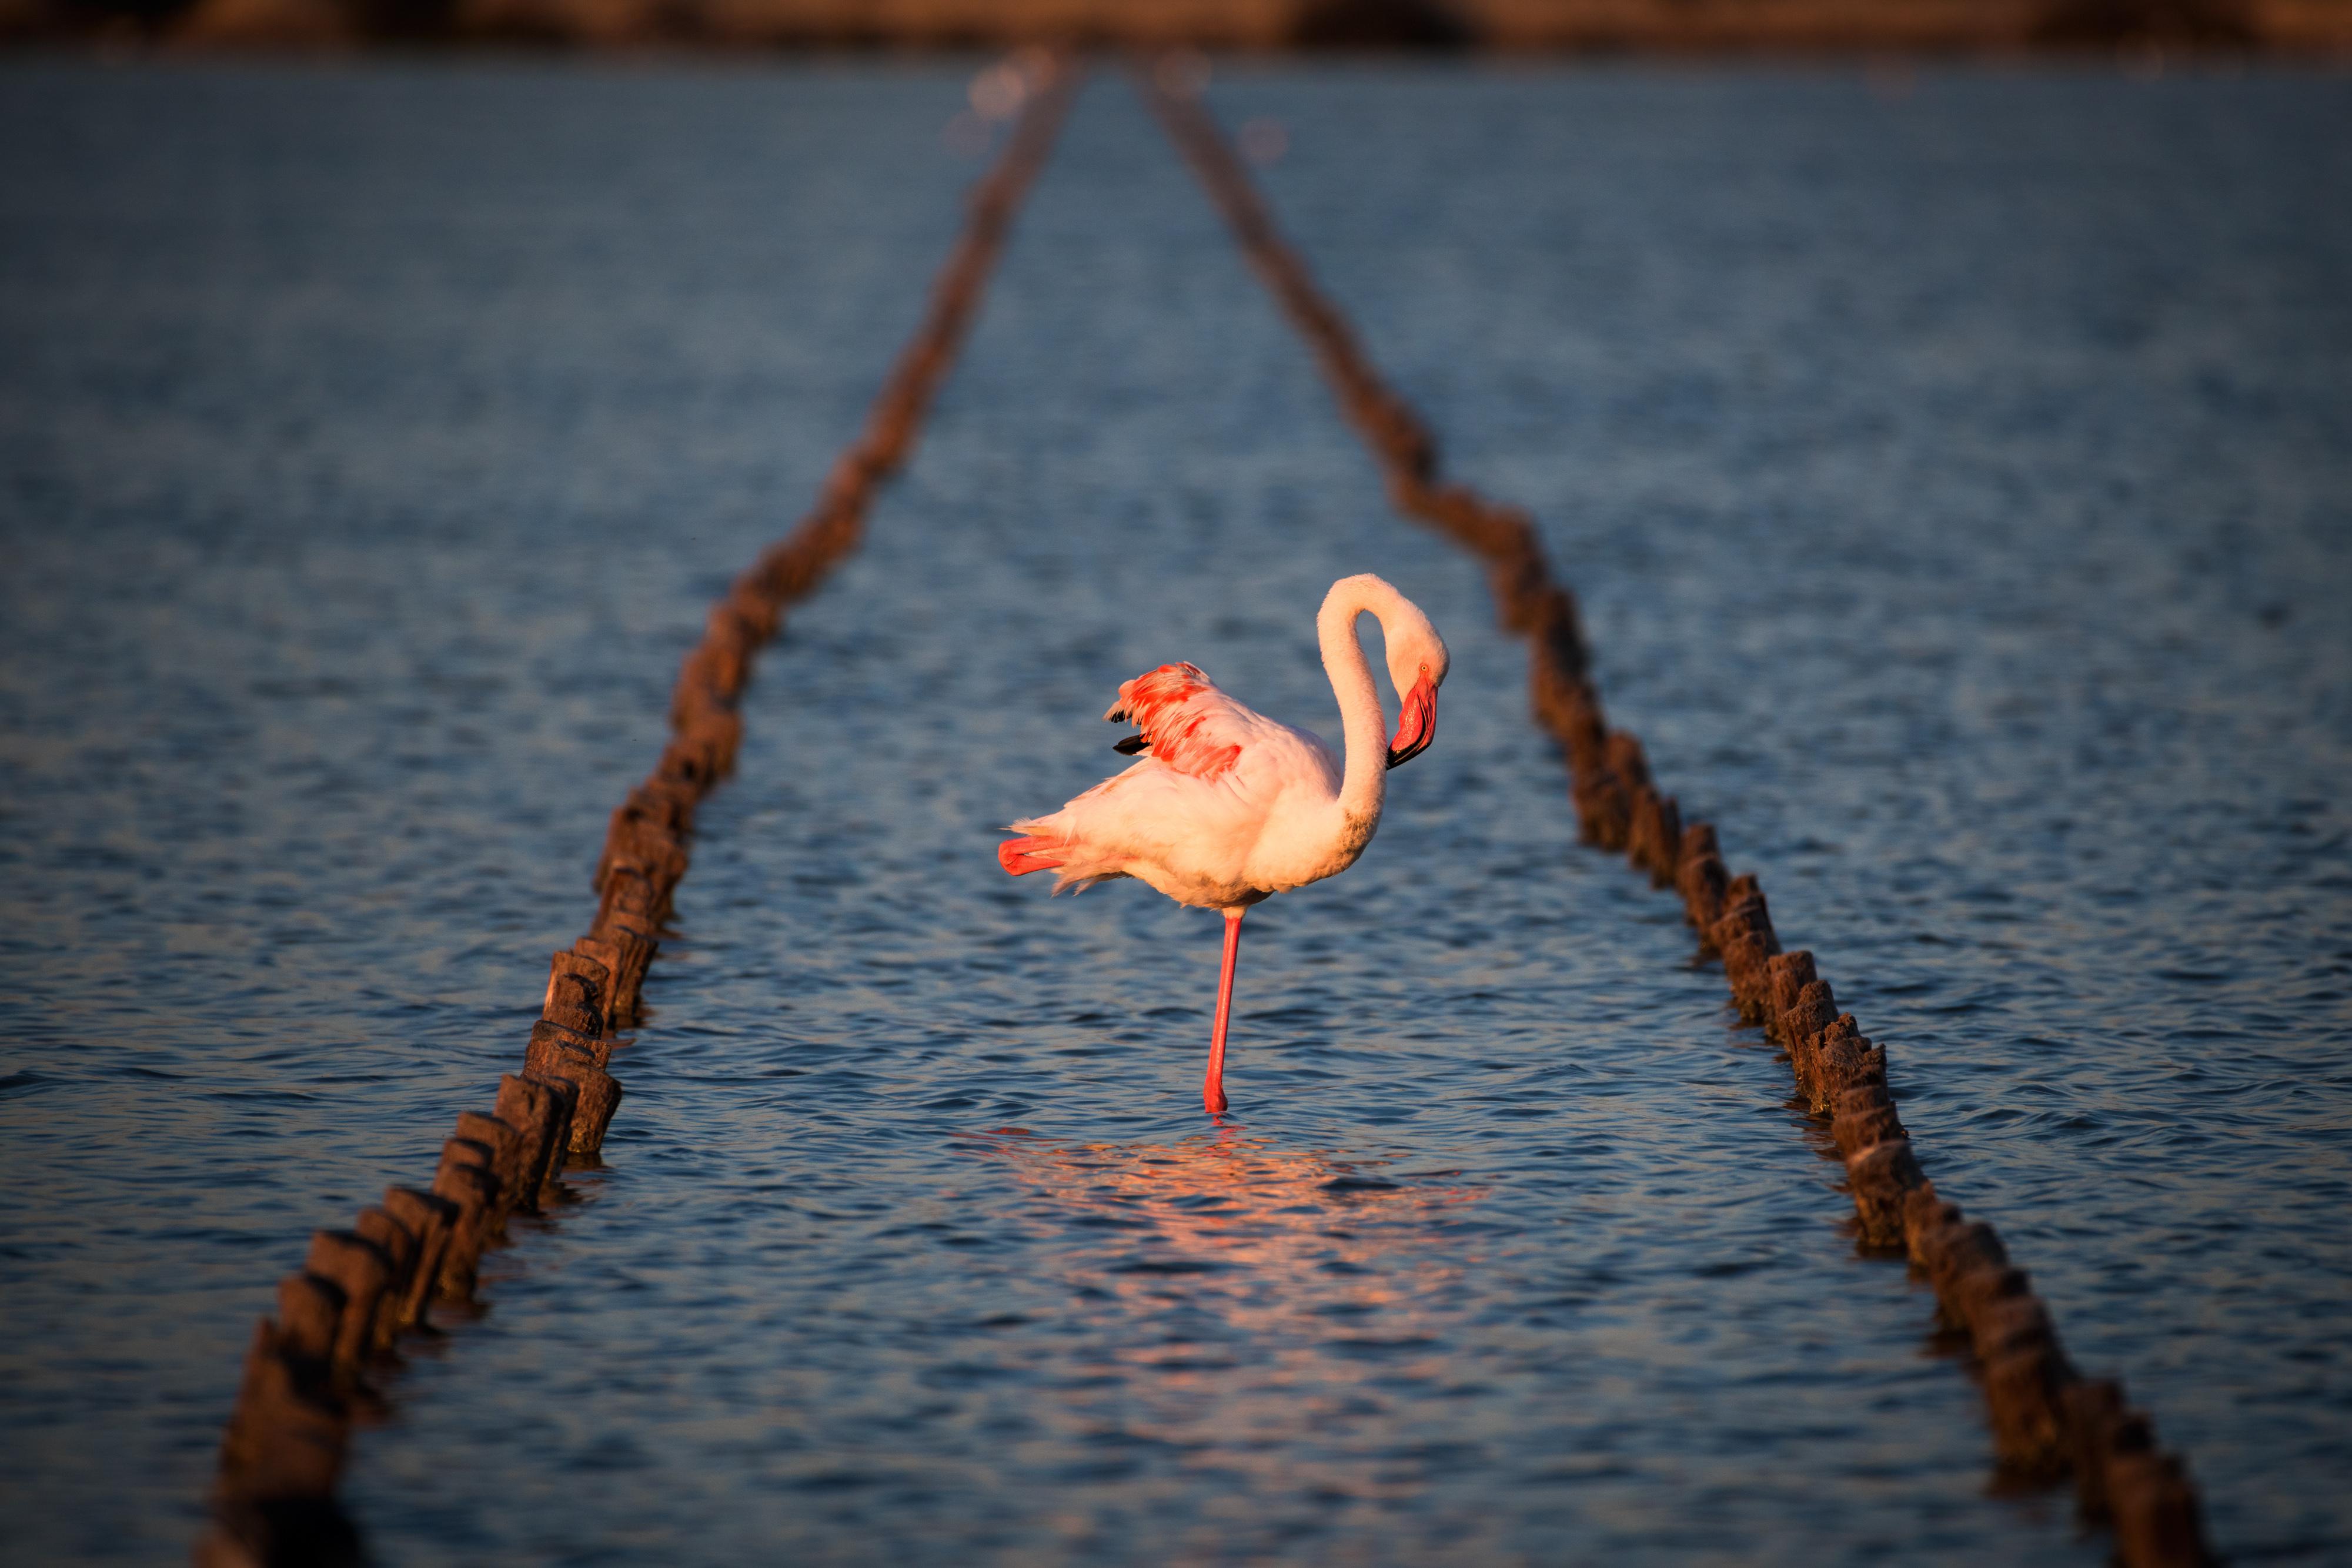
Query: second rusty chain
2048	1420
337	1315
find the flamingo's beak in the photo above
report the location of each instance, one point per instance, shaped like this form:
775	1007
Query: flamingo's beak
1418	728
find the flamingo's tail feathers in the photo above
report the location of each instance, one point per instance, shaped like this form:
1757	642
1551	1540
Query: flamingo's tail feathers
1023	855
1074	864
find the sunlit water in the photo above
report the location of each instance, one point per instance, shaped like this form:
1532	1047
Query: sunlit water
1956	473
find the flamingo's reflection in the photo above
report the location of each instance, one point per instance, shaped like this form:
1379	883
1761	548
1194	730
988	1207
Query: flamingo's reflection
1299	1255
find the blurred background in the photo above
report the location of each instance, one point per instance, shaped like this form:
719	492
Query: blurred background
1513	26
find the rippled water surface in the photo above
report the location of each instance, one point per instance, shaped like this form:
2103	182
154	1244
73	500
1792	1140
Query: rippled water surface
1957	473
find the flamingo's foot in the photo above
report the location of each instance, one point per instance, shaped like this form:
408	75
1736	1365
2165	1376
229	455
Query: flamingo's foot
1212	1099
1022	856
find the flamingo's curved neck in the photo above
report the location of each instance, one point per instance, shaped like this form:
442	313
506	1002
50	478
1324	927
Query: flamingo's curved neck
1365	783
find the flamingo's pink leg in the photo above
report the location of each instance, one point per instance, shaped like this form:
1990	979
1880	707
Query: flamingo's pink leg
1212	1091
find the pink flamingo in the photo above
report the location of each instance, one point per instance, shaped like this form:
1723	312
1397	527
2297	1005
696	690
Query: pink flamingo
1225	807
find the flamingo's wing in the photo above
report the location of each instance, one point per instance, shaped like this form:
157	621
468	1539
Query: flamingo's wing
1190	813
1187	722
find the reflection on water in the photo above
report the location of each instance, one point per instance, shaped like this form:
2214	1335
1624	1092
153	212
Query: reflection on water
1954	480
1269	1242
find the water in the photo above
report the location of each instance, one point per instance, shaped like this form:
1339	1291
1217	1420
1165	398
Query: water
1954	469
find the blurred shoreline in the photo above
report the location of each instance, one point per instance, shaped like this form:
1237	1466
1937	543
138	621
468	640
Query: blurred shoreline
2154	28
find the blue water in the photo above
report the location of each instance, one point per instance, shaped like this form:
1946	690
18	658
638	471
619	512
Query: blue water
1955	470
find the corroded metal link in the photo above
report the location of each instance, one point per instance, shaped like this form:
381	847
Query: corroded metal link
2046	1420
283	1452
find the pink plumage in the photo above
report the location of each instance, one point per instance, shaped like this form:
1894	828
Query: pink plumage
1188	724
1226	807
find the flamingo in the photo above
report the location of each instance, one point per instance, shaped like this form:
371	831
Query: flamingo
1225	807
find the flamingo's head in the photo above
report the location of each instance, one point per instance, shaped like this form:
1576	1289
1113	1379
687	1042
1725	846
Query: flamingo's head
1417	665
